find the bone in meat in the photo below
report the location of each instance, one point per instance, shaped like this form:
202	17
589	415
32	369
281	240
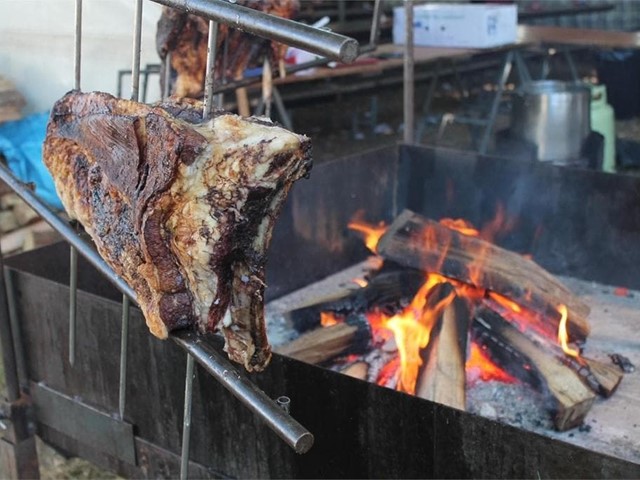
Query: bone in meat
182	209
185	38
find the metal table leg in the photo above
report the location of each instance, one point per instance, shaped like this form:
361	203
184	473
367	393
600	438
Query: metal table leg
502	80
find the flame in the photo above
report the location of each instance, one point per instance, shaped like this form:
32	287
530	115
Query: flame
460	225
412	330
505	302
479	365
327	319
372	232
563	336
361	282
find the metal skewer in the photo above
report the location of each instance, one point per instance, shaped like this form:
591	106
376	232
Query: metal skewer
137	45
210	70
73	254
186	419
124	327
124	343
314	40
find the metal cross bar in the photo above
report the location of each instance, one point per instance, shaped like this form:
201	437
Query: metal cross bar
248	393
312	39
256	400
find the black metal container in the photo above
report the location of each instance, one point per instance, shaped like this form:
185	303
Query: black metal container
570	220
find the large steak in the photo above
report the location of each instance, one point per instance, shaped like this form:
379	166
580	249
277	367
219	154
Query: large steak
182	209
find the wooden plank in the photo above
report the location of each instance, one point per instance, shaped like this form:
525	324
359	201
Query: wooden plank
584	37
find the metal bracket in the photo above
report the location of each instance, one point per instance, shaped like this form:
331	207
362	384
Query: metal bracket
84	423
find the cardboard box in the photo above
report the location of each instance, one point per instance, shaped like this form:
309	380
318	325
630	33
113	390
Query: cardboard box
459	25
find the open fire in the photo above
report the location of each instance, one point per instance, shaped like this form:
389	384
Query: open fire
447	308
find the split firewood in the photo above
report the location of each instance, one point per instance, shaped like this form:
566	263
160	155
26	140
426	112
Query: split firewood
417	242
385	291
324	343
532	363
442	378
608	376
358	370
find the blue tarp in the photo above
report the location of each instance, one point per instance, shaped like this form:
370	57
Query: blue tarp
21	144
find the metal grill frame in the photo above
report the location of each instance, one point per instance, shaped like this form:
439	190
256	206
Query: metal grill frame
274	413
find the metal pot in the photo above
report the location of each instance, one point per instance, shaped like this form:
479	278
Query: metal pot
553	115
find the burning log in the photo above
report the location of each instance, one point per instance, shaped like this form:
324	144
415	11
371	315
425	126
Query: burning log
386	290
420	243
442	378
531	363
324	343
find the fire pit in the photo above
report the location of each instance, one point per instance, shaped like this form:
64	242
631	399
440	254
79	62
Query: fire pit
579	224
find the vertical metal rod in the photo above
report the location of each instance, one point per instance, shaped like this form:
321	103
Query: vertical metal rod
124	342
6	338
186	421
284	115
166	90
137	44
409	92
374	37
78	45
504	75
210	71
73	290
18	346
73	254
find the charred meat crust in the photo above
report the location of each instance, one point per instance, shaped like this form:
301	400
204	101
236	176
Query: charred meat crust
138	174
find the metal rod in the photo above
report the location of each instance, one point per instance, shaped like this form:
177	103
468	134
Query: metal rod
124	342
73	291
312	39
251	396
186	419
18	346
6	339
137	44
210	71
248	393
495	103
166	87
374	37
78	45
409	87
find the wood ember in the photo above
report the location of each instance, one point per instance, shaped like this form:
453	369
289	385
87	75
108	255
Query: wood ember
528	361
623	362
358	370
426	245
